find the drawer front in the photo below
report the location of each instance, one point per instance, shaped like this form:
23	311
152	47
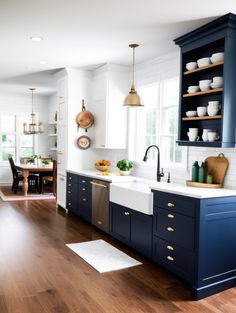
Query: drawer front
174	227
72	178
175	203
85	199
84	183
85	189
174	258
120	222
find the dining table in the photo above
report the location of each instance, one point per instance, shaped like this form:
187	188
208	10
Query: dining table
26	169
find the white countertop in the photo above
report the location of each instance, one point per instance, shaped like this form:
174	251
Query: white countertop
112	177
183	190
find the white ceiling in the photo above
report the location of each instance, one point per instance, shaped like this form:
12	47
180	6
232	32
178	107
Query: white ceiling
85	33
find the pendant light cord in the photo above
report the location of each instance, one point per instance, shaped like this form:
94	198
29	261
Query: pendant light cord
32	102
133	63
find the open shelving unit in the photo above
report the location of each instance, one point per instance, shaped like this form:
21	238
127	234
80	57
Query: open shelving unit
200	43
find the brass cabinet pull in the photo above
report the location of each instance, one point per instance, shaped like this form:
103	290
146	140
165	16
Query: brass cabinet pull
126	213
171	216
170	258
100	222
170	229
170	205
170	248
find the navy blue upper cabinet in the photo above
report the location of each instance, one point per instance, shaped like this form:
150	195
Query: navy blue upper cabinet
216	36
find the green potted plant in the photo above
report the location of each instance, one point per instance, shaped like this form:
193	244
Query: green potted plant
124	166
45	162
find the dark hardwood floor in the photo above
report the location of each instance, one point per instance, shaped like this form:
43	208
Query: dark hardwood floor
39	274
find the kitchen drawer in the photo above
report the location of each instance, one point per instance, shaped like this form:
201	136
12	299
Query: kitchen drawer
85	189
174	227
84	182
85	200
174	258
72	178
175	203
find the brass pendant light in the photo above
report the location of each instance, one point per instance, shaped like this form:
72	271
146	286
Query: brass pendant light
133	99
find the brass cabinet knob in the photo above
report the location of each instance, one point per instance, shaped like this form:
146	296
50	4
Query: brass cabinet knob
69	191
170	229
171	216
170	248
83	189
170	258
126	213
84	199
170	205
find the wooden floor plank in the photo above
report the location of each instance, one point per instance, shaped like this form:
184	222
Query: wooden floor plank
39	274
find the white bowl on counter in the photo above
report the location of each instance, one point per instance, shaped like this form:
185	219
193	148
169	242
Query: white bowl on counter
192	89
203	62
191	66
191	113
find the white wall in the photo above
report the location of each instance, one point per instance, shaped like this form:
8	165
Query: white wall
21	103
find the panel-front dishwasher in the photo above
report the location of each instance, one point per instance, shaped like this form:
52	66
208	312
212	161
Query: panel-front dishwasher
100	204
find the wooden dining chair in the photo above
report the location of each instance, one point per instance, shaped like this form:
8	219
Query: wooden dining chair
51	179
18	177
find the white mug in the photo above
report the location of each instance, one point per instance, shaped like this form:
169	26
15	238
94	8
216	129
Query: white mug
212	136
192	137
193	131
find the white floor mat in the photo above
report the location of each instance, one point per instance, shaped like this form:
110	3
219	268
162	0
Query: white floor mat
102	256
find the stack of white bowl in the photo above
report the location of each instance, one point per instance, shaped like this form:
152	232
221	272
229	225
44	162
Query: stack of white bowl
217	82
215	57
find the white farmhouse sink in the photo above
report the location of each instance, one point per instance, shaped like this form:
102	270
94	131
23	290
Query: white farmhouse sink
135	195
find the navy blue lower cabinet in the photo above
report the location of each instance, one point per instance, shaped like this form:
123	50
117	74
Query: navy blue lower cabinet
79	196
132	228
198	246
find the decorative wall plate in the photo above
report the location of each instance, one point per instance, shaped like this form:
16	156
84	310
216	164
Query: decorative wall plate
84	142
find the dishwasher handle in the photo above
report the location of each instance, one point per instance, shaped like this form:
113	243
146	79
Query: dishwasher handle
97	184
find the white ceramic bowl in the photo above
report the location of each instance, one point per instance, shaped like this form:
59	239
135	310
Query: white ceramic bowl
217	79
125	173
214	104
201	111
212	111
191	113
217	57
203	62
216	85
191	66
192	89
204	85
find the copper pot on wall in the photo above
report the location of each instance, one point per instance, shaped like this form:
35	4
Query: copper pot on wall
84	119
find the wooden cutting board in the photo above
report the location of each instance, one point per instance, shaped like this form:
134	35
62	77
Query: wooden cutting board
217	166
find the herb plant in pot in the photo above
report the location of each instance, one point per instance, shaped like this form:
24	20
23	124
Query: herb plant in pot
124	166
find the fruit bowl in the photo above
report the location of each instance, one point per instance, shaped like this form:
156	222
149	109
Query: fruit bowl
101	168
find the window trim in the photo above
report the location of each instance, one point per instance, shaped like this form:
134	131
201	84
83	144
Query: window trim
18	132
133	134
